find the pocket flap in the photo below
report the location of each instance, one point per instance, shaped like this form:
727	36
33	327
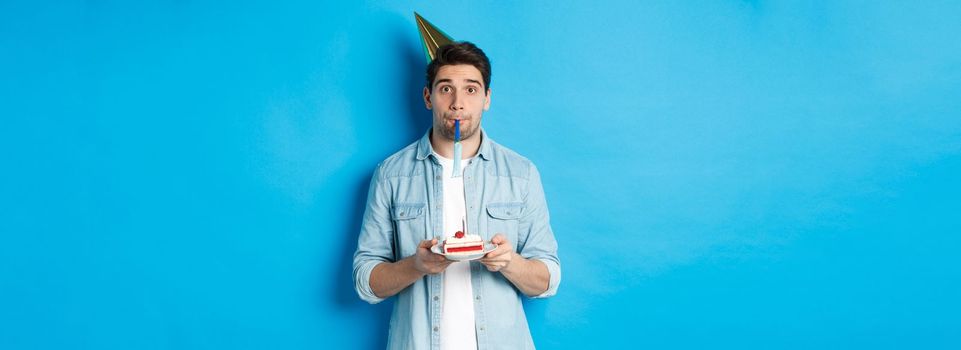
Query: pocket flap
407	211
505	211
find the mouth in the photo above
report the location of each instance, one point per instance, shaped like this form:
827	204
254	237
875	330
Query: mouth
450	121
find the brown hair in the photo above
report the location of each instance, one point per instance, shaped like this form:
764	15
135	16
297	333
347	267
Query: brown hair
463	52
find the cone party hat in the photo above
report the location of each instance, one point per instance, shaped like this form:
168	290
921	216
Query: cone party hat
430	36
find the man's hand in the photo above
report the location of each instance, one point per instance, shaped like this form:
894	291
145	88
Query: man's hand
500	257
426	262
530	276
387	279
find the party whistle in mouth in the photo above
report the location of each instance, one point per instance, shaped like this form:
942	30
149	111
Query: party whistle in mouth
457	148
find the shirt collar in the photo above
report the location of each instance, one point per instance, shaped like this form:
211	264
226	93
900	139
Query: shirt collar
424	148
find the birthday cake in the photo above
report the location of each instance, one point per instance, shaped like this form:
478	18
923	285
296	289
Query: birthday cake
463	244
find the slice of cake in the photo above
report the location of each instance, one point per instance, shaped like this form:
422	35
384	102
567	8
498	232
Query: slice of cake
463	244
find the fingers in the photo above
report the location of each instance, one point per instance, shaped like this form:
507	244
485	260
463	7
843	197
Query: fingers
499	254
440	261
494	264
500	257
430	263
436	258
493	254
500	250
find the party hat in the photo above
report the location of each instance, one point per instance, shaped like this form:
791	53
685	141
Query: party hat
430	36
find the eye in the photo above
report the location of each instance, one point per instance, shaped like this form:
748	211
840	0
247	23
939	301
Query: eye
445	89
471	90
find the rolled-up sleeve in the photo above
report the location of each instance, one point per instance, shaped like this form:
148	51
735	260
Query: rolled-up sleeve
540	243
375	242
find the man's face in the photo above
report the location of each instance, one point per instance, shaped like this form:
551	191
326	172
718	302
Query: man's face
458	93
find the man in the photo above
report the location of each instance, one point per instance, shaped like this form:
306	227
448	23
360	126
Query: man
415	202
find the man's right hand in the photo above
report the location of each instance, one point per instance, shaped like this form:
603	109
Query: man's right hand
426	261
387	279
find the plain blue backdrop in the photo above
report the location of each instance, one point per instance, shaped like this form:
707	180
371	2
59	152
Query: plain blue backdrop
721	174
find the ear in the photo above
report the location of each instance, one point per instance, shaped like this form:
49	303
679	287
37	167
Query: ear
427	98
487	100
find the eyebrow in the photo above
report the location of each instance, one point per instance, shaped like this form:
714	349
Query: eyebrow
451	81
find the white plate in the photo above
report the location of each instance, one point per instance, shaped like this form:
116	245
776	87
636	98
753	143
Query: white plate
488	247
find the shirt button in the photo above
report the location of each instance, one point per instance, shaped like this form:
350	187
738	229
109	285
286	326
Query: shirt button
436	298
508	213
402	214
435	329
482	328
477	297
438	177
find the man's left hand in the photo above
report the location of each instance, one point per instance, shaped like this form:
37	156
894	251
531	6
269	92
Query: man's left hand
500	257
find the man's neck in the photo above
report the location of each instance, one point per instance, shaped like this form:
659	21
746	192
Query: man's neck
445	147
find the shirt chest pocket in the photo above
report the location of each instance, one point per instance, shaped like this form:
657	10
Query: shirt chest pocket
503	218
410	227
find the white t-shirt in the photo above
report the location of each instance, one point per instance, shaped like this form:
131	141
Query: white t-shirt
457	307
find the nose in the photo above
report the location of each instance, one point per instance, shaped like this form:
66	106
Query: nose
456	102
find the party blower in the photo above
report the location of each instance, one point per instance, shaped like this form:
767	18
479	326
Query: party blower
457	148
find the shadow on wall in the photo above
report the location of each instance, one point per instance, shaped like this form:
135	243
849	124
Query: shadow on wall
411	122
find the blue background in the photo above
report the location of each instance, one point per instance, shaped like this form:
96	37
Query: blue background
721	174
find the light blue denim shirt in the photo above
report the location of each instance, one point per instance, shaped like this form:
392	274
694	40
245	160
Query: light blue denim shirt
404	206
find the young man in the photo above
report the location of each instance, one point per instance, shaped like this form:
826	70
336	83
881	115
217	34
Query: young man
415	202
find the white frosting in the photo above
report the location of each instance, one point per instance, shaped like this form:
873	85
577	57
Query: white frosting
465	239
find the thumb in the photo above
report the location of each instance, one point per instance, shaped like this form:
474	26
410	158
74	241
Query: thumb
497	239
427	243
